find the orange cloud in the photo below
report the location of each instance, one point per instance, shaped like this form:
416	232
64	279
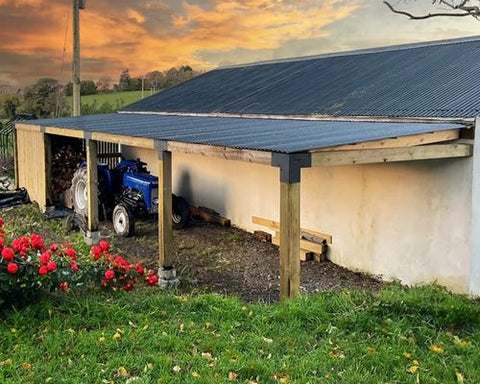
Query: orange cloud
147	35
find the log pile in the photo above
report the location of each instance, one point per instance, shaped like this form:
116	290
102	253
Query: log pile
65	160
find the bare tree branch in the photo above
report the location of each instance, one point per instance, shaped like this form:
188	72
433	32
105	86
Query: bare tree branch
473	11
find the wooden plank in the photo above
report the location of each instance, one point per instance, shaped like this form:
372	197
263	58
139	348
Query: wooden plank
141	142
304	244
210	216
27	127
48	168
263	236
92	185
305	255
31	165
165	210
369	156
65	132
258	157
276	226
289	240
403	141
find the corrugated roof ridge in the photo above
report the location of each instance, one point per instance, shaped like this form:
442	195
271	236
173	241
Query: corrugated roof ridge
364	51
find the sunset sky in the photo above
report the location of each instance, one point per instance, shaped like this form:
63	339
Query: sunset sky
146	35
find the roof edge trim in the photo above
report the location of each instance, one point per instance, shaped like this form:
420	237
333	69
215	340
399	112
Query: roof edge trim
375	119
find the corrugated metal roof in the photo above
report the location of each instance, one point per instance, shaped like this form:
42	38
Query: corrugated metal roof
287	136
439	79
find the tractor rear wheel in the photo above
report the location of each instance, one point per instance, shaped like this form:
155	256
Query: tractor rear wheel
180	212
123	221
79	191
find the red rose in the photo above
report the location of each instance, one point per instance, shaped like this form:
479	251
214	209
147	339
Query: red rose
140	269
44	258
96	252
74	267
17	245
42	270
71	253
64	286
2	242
128	287
54	247
104	245
37	241
152	280
51	266
12	268
1	223
110	274
8	254
103	283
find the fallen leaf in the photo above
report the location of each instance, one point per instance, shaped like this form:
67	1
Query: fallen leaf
207	354
117	335
6	362
195	374
267	340
436	348
459	377
48	379
371	350
122	372
26	366
101	339
13	330
176	369
412	369
408	355
232	376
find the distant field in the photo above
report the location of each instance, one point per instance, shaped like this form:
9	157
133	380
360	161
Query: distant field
116	99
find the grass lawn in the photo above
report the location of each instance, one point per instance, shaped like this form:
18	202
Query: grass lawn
420	335
396	335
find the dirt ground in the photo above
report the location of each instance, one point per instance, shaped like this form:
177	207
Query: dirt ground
231	261
207	257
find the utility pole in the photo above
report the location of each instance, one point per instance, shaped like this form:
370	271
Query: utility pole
77	5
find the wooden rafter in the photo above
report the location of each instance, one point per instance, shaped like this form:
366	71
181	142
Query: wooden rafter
387	155
396	142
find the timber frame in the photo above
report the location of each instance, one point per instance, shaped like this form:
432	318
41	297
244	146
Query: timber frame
406	148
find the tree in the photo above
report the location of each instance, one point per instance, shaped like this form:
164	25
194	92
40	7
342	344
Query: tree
104	84
125	81
44	99
8	106
441	8
87	87
154	80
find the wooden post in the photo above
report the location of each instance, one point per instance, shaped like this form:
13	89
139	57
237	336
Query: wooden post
164	209
92	185
76	59
290	175
289	239
48	168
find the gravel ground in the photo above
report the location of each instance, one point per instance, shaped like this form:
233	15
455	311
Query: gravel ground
231	261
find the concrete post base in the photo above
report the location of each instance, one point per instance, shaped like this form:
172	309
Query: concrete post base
167	277
92	238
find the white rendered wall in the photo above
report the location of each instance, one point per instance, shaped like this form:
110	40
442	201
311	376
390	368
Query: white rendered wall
406	221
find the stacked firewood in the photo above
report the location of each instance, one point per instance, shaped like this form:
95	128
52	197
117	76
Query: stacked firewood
65	160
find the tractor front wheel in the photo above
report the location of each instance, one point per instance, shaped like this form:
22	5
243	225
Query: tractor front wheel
123	221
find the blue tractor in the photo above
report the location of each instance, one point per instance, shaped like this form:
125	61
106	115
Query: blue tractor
124	193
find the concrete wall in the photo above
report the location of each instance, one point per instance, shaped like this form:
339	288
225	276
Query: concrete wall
405	221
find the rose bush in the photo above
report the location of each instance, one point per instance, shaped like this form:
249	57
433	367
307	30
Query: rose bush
27	265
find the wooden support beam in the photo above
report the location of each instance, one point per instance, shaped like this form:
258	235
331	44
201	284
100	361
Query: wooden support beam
28	127
77	133
397	142
92	185
366	156
141	142
164	209
258	157
289	239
